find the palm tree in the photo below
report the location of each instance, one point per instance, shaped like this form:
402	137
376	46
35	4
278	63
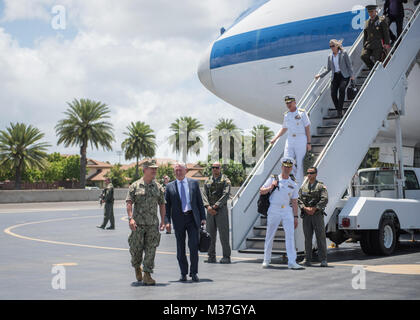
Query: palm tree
185	138
85	123
268	135
140	142
20	149
226	129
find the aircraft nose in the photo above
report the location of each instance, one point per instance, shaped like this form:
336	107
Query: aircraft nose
204	73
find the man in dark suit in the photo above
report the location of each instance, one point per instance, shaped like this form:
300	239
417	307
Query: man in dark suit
394	10
184	206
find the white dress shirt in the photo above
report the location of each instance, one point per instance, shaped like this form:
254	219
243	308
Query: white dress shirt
187	192
336	64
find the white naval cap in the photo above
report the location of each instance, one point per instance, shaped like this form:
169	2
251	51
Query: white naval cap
289	98
287	161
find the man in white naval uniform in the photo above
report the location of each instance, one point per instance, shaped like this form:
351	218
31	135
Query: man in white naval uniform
298	125
283	208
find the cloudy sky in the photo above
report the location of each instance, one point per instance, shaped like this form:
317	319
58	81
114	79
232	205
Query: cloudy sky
138	56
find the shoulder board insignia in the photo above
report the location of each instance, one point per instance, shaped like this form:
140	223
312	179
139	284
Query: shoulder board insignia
286	112
291	187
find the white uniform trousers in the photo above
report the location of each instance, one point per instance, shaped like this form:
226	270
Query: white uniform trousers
275	216
296	148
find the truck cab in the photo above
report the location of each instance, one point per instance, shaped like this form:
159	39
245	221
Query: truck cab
381	183
375	214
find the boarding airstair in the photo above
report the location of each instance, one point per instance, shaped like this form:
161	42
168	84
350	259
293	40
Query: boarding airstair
340	144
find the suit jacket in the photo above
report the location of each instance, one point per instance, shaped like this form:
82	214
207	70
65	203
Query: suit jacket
400	8
344	62
173	203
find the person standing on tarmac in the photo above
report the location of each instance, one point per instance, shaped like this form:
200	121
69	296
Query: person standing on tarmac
283	208
313	198
108	198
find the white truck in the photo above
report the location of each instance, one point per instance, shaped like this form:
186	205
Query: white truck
376	214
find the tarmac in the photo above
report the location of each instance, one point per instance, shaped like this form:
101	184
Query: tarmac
53	251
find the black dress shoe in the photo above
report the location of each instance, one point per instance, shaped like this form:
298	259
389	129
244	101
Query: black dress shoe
183	278
110	228
195	278
100	227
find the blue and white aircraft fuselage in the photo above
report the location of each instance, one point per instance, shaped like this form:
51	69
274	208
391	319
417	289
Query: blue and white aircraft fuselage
276	49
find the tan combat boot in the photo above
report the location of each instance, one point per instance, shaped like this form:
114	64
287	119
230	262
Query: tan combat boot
148	280
139	275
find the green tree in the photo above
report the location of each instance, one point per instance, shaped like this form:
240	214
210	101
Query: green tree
84	124
185	138
20	150
165	170
71	168
131	173
117	176
226	130
140	143
234	171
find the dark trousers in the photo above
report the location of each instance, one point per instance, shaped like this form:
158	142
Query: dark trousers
311	224
338	91
191	229
368	53
108	215
399	22
219	222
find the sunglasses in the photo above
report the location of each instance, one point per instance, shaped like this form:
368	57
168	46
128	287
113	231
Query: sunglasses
332	46
310	172
215	167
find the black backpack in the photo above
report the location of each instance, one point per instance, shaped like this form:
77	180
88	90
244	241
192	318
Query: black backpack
264	200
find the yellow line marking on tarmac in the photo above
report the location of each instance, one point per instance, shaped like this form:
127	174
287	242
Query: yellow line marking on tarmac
9	232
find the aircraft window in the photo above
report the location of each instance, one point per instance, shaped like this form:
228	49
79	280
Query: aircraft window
411	182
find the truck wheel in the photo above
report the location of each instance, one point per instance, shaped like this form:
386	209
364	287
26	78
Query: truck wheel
387	236
366	243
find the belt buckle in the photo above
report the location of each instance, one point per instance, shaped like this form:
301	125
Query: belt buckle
282	206
293	135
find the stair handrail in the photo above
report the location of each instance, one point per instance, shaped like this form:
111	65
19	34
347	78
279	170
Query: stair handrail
361	90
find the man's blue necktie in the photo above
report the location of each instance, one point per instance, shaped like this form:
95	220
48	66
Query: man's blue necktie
183	197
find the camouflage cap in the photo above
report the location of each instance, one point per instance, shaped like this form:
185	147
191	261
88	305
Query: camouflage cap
289	98
150	164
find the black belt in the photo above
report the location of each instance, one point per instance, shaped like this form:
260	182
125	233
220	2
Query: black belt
187	212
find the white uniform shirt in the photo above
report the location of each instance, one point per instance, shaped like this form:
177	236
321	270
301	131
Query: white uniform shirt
281	196
295	122
335	61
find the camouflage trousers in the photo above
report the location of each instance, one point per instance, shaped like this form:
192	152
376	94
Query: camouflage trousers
109	214
144	240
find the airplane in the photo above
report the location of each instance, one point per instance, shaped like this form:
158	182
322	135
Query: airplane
276	47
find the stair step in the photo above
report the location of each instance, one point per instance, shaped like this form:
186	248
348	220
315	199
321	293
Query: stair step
261	231
321	139
261	251
329	121
326	129
279	243
332	112
317	148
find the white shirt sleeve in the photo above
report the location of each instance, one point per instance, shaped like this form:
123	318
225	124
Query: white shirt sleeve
285	122
305	118
295	193
268	182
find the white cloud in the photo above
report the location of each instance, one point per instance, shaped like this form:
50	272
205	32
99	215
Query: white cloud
138	57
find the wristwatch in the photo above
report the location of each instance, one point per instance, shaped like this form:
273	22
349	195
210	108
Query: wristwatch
296	217
129	218
308	143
